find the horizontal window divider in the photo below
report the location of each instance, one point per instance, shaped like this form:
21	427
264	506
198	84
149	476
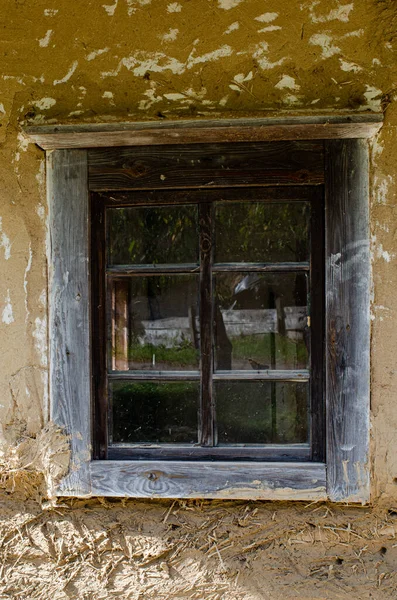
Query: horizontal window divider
154	375
264	267
125	270
290	452
269	375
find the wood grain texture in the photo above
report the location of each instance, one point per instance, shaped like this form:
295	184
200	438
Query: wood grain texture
206	165
199	131
294	452
347	320
69	328
184	479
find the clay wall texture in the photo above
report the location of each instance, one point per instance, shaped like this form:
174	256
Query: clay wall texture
86	62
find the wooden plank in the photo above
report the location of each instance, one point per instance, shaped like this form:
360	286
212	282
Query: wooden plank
348	320
293	452
69	323
270	194
264	375
156	269
201	131
99	330
209	165
207	411
261	267
154	375
187	479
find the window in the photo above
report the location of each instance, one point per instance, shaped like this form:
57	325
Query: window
205	345
321	450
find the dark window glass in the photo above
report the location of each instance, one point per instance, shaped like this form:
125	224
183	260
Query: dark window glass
261	321
261	412
154	323
152	235
262	232
156	413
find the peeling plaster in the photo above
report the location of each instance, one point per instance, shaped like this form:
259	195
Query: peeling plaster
325	42
7	315
68	74
25	281
337	14
40	336
174	7
5	242
287	82
45	103
96	53
267	17
228	4
170	36
261	58
43	43
233	27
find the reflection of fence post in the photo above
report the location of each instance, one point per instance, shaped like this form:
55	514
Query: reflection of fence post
193	326
120	325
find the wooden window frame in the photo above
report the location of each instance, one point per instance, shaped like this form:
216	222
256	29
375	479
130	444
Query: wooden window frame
345	475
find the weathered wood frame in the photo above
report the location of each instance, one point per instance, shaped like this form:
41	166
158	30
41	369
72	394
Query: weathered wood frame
345	477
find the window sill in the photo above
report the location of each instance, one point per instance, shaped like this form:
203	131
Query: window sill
188	479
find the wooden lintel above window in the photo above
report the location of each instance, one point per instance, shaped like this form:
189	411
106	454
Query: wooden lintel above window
205	131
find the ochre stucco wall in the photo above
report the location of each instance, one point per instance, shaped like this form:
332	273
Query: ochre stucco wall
74	62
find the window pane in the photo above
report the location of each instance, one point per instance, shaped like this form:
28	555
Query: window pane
262	232
261	412
152	235
154	323
154	412
261	321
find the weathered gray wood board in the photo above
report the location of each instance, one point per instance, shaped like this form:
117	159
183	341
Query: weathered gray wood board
347	320
208	165
69	327
184	479
319	127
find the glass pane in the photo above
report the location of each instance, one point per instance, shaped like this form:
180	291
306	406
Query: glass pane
262	232
152	235
154	323
261	321
262	412
154	412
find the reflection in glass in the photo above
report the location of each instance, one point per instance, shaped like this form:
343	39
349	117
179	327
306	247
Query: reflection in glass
154	412
262	232
261	412
152	235
261	321
154	323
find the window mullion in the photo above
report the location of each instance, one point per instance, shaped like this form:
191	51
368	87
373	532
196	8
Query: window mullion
206	426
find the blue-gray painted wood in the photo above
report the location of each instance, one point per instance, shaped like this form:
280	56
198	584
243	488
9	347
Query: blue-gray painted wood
347	320
69	325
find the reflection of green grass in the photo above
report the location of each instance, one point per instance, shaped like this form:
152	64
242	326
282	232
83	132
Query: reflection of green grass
258	348
180	355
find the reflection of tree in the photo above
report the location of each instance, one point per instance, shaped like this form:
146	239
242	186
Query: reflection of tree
261	232
140	235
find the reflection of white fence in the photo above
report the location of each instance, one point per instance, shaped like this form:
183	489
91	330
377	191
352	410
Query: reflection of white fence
173	331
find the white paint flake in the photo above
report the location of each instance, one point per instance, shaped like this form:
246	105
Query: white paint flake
158	62
40	336
175	96
50	12
170	36
5	241
239	80
45	103
267	17
7	315
287	82
380	253
25	281
290	99
40	211
373	97
260	55
269	28
23	142
96	53
43	43
382	188
107	95
2	109
233	27
174	7
326	43
110	8
337	14
349	66
68	74
228	4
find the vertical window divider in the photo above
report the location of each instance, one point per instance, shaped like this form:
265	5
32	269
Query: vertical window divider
207	409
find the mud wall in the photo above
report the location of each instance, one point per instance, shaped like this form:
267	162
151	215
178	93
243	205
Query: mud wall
75	62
